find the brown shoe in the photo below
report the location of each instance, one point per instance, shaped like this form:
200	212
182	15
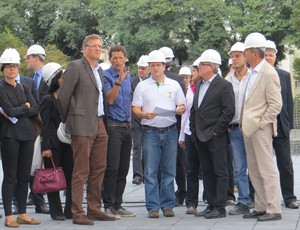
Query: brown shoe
101	216
168	212
12	224
153	214
82	220
31	222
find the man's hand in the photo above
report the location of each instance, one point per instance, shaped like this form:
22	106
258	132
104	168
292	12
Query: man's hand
180	109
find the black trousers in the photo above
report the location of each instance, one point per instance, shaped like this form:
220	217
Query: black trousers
213	156
281	145
62	158
16	163
118	160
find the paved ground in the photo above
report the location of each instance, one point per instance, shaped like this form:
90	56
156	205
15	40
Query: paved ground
134	201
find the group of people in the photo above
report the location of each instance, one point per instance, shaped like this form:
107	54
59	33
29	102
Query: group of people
178	126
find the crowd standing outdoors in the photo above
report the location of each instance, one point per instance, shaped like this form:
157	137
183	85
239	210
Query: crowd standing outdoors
180	127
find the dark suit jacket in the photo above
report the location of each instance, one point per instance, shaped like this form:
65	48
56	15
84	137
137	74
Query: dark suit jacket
78	99
136	122
285	119
215	112
42	90
51	119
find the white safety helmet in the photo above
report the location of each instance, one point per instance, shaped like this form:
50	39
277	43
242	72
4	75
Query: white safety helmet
168	52
239	46
50	70
156	56
196	62
10	56
229	62
212	56
104	66
36	50
143	61
61	134
185	71
271	45
255	40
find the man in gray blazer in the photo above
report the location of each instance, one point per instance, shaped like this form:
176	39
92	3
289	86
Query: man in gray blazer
83	107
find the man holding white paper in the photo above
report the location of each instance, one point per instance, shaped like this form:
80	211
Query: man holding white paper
159	134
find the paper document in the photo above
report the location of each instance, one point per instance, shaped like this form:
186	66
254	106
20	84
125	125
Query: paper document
14	120
164	112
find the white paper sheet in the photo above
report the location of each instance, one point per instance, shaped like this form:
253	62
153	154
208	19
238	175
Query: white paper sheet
164	112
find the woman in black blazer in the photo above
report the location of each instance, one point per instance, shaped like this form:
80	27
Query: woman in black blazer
51	146
17	138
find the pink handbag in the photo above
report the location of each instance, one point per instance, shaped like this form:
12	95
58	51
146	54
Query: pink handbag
49	179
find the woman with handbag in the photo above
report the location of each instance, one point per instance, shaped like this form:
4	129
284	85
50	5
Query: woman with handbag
60	152
17	138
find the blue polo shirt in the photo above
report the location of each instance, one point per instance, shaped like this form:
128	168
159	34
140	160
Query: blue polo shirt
120	109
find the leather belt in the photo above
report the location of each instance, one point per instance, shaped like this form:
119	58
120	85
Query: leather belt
231	126
146	127
119	124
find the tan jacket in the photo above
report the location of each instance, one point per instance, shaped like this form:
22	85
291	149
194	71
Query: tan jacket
263	103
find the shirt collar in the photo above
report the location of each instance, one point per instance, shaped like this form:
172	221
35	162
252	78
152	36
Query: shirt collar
166	80
258	67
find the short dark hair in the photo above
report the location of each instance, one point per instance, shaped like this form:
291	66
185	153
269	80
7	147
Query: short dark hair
116	48
54	85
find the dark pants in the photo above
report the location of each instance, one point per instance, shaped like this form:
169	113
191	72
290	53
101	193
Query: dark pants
118	160
89	156
193	167
137	152
214	156
62	158
230	192
281	146
16	163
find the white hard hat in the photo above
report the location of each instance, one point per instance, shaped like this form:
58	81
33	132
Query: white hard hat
36	50
210	55
239	46
185	71
168	52
10	56
196	62
271	45
143	61
229	62
61	134
104	66
255	40
50	70
156	56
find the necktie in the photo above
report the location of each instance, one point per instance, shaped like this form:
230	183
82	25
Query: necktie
36	79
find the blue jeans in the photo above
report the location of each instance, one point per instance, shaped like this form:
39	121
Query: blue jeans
240	165
159	149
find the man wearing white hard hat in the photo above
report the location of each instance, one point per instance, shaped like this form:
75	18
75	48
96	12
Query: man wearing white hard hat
181	159
212	110
285	121
262	104
239	78
186	73
143	73
35	59
156	100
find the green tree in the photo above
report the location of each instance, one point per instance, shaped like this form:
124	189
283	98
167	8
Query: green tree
296	68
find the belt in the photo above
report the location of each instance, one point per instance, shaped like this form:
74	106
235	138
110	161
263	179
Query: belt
146	127
231	126
119	124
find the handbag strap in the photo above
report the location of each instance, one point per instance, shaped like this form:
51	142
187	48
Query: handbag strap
42	162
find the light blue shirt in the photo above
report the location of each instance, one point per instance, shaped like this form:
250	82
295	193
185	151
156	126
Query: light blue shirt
99	84
203	89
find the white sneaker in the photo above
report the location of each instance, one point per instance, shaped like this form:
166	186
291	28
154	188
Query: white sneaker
111	212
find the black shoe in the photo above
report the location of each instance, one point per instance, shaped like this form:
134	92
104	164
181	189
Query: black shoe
42	209
204	212
178	202
253	215
292	205
239	209
60	217
137	180
215	214
30	202
270	217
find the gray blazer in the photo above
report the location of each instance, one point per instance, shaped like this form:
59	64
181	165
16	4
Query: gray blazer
78	99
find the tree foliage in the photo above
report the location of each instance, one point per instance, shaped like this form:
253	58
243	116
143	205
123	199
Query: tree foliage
296	68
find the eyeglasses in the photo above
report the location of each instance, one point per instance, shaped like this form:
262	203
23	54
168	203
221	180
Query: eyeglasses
11	66
94	46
